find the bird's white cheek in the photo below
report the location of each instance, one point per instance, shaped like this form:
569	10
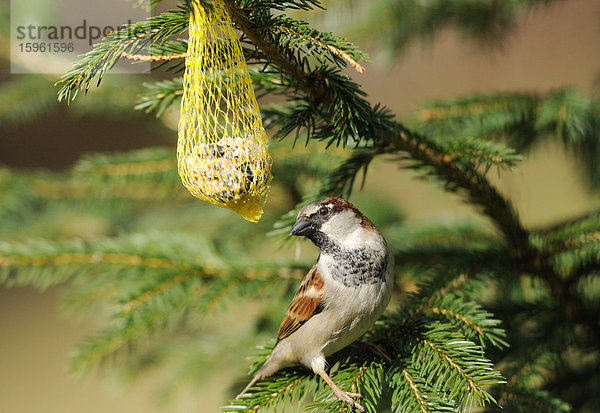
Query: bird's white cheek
341	226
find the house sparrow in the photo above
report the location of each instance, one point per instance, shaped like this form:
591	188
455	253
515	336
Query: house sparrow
346	290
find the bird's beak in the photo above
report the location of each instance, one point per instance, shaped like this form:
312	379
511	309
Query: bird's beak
303	228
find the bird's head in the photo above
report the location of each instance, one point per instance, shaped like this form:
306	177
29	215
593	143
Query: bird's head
333	220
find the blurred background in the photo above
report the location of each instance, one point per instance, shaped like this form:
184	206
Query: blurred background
549	48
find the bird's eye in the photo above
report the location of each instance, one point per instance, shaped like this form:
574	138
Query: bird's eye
323	211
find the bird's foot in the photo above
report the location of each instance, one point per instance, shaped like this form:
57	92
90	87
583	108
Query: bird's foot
375	349
348	397
344	396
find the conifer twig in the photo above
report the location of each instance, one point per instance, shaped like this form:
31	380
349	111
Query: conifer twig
269	48
93	258
336	51
456	315
415	390
153	58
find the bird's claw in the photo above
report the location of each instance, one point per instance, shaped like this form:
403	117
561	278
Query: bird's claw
348	397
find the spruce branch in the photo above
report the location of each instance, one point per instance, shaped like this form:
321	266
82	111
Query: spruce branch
129	40
35	262
140	316
15	198
89	191
523	120
477	188
412	394
523	400
154	58
281	5
420	398
151	282
297	34
170	54
263	41
533	365
474	322
160	95
465	372
481	155
435	368
25	97
162	305
293	384
403	22
569	234
150	164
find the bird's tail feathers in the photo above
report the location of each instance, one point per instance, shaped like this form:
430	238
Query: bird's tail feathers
271	366
256	378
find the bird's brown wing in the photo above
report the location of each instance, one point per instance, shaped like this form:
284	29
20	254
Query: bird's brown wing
307	302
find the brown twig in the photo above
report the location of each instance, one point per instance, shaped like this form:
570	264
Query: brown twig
153	58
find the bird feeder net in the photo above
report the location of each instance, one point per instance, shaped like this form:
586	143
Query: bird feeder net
222	150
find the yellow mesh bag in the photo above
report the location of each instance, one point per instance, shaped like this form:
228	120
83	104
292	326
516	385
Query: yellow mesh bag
222	151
